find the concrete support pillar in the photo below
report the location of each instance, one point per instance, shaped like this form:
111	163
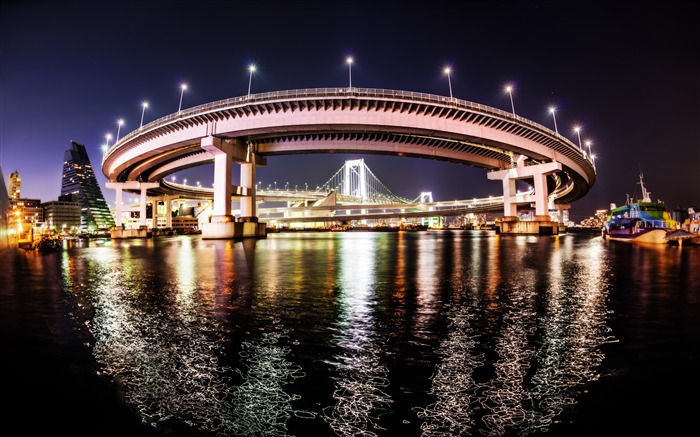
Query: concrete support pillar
561	209
510	208
541	195
142	187
223	162
248	182
168	212
118	208
142	206
536	172
222	224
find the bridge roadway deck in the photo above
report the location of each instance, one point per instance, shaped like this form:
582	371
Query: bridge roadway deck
407	211
348	120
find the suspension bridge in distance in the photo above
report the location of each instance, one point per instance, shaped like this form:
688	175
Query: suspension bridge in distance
354	193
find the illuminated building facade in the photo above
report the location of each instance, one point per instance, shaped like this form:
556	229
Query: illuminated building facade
63	215
25	215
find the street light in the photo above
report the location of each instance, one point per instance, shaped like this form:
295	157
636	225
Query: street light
349	61
578	133
120	122
108	137
509	90
251	68
183	87
588	143
552	110
447	71
145	105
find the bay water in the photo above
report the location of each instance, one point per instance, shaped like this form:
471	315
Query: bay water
434	333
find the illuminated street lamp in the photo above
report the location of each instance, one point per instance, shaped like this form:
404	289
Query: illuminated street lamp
183	87
120	122
447	71
588	143
250	77
349	62
509	90
108	138
552	110
145	105
578	133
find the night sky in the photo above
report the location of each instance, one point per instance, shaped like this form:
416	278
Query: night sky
627	72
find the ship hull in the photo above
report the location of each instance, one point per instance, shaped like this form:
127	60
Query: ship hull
656	236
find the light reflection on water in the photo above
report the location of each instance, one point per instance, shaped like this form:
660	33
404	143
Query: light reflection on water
223	336
358	395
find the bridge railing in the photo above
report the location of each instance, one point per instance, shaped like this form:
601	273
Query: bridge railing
335	92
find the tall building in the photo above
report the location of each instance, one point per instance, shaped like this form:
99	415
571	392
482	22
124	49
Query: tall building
79	179
15	185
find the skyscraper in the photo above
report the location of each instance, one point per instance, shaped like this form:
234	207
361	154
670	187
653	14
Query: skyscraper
15	185
79	179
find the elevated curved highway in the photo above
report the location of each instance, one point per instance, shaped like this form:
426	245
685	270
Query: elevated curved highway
349	120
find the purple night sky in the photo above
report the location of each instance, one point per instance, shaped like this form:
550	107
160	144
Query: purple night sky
627	72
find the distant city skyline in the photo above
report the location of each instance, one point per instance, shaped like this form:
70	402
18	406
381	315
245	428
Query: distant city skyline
625	74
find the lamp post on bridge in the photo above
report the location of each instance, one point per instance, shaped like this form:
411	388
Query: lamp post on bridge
578	133
251	69
509	90
145	105
447	71
588	143
349	61
183	87
552	110
120	122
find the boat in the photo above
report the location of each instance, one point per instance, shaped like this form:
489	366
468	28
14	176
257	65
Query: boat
643	220
691	228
